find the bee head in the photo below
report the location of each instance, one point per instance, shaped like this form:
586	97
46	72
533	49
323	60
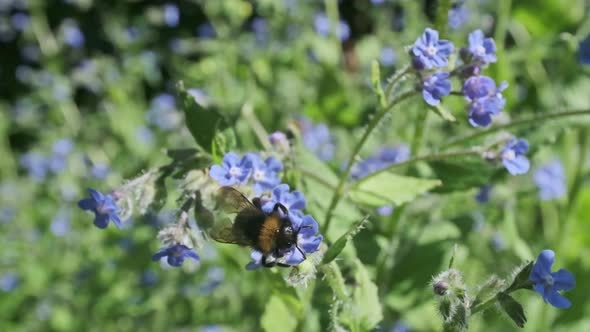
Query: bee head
287	235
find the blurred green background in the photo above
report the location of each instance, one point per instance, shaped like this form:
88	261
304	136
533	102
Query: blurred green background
87	99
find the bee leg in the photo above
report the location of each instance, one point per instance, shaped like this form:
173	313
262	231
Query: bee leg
266	263
257	203
281	207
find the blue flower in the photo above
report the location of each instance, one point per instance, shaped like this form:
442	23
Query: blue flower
293	201
148	278
232	170
171	15
61	149
385	210
279	141
482	49
206	31
308	240
550	180
385	157
176	254
435	87
513	156
72	34
430	52
9	281
100	171
104	208
20	21
485	99
584	51
265	172
400	327
484	193
548	283
387	56
60	225
458	14
322	27
163	112
35	164
260	28
317	139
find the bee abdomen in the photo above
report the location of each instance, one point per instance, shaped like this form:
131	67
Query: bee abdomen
268	234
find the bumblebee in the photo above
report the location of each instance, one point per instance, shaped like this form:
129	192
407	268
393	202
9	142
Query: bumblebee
272	233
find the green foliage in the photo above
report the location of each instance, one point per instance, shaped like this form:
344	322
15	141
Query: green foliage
387	188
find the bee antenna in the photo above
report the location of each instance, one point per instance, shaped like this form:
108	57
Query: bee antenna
301	251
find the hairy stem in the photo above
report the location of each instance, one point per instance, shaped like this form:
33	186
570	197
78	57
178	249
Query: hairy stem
516	123
339	192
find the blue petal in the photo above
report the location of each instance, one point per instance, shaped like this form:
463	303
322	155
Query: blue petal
542	265
557	300
429	98
96	196
309	227
87	204
175	261
101	220
192	254
540	288
297	201
231	159
162	253
311	244
294	257
115	218
563	280
518	165
273	164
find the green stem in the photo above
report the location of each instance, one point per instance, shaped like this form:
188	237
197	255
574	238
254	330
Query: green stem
442	17
437	156
517	123
395	79
584	141
338	193
256	126
420	125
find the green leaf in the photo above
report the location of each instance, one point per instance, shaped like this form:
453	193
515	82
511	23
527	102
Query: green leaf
223	142
339	245
388	188
512	308
277	316
488	290
376	81
443	113
202	122
522	278
462	174
367	309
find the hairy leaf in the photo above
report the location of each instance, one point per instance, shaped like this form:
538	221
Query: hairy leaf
388	188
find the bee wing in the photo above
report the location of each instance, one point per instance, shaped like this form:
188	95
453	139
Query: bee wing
227	234
230	200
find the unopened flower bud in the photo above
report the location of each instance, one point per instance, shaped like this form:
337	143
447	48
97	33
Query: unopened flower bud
440	288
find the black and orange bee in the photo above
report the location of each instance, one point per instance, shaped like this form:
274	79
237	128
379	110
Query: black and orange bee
272	233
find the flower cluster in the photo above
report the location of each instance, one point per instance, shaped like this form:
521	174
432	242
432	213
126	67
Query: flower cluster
39	165
548	283
236	170
308	239
484	96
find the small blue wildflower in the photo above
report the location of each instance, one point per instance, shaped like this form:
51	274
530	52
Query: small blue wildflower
60	225
30	53
377	2
279	141
9	281
458	15
435	87
293	201
72	34
104	208
548	283
100	171
584	51
148	278
429	52
215	276
308	240
550	180
171	14
233	170
35	164
144	135
206	31
163	112
482	49
385	210
61	150
483	194
322	27
513	156
264	172
497	242
400	327
20	21
387	56
317	139
385	157
63	147
485	99
176	254
260	28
